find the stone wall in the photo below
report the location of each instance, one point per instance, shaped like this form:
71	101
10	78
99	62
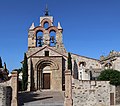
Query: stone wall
90	62
56	71
9	91
92	93
5	95
90	65
117	98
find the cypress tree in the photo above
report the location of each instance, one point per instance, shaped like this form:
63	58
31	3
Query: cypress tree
5	68
69	62
1	63
25	73
1	75
32	77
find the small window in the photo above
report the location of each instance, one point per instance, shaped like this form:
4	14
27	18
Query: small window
46	53
108	66
82	64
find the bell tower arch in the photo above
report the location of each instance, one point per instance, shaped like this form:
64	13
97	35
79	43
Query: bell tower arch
46	38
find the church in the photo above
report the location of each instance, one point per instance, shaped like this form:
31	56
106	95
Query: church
47	58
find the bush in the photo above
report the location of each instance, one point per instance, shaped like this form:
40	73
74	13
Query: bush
110	75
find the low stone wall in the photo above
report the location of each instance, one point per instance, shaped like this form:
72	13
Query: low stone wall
92	93
5	95
117	97
9	91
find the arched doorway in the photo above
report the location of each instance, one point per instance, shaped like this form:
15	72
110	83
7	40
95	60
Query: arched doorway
44	77
45	68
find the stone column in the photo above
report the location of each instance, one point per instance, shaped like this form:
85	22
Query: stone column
29	75
14	85
46	38
35	79
68	88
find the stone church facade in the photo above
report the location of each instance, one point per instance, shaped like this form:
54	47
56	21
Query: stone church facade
47	55
47	58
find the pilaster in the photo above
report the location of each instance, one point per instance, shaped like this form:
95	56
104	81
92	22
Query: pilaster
14	82
68	88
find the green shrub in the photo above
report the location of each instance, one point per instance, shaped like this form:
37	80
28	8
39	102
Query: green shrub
110	75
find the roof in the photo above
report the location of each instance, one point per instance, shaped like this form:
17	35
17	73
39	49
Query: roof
86	57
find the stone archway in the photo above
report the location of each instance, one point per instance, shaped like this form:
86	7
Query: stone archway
45	68
44	77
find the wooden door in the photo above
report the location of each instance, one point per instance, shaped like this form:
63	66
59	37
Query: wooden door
46	81
111	98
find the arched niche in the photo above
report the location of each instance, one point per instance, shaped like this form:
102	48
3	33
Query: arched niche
52	34
39	38
38	33
53	31
82	64
44	21
108	66
81	71
46	25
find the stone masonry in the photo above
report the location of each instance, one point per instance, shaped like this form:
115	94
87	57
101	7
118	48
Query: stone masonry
47	62
9	91
92	93
5	96
68	88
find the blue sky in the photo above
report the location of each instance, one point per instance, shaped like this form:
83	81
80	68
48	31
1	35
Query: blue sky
90	27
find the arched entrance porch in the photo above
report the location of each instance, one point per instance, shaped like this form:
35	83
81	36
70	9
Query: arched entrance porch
45	71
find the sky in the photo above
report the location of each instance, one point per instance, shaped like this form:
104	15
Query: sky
90	27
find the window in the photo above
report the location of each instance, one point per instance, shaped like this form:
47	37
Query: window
46	53
81	64
108	66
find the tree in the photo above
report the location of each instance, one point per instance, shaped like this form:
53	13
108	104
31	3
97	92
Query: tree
5	68
69	62
110	75
1	63
32	77
25	73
